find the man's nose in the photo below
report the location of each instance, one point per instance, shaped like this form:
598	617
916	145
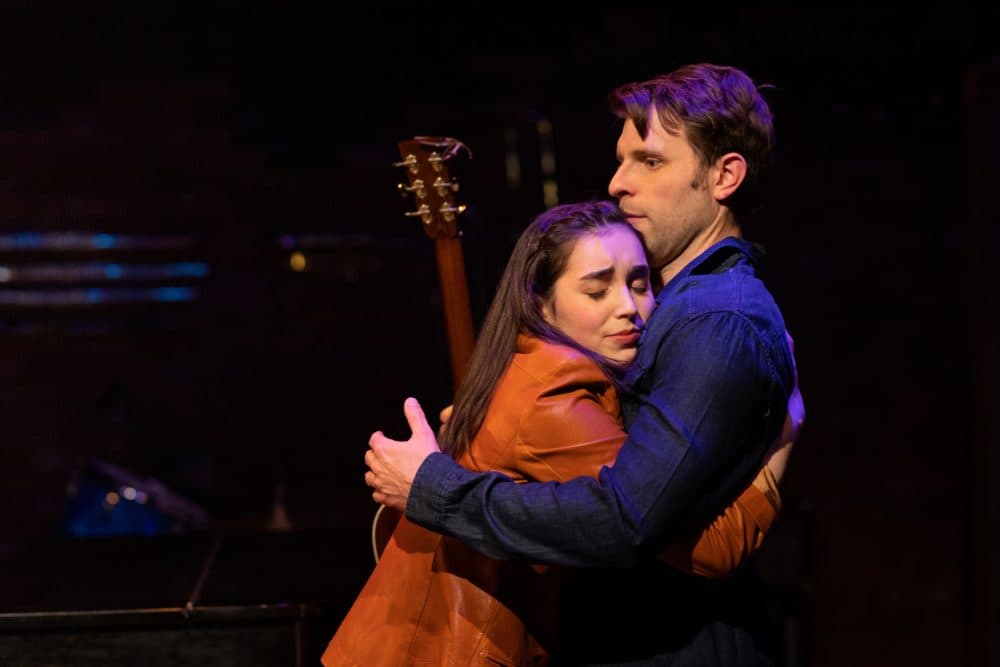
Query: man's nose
617	187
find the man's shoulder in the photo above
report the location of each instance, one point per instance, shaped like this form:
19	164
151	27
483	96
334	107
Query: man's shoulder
720	292
727	285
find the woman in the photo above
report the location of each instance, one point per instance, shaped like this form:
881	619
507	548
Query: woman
565	321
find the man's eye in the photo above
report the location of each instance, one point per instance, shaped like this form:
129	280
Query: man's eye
652	162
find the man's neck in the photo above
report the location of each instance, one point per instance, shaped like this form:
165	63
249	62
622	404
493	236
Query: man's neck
724	226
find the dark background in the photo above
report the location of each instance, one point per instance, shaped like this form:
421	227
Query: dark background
255	132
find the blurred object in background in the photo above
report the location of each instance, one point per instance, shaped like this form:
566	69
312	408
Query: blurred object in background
107	500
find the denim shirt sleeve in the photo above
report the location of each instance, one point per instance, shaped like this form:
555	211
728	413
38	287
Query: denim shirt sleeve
694	444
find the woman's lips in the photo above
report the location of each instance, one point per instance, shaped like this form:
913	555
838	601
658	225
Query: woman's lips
627	337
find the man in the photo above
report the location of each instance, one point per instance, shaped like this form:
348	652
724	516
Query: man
705	397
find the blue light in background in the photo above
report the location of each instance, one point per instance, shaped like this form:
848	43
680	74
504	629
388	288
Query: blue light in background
103	241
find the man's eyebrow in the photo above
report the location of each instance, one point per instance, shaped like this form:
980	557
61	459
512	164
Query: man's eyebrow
643	153
600	274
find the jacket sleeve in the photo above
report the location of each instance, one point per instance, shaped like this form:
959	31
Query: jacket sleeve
695	441
735	535
572	426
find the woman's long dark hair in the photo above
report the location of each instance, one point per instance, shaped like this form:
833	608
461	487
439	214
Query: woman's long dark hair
539	258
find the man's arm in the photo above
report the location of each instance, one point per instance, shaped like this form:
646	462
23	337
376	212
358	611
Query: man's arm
694	444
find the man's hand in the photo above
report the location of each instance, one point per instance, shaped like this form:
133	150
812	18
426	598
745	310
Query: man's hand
392	464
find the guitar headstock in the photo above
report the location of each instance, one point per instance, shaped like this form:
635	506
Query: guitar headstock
430	184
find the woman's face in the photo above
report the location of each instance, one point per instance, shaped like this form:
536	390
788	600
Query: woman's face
603	297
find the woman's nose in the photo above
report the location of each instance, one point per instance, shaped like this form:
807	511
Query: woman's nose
626	304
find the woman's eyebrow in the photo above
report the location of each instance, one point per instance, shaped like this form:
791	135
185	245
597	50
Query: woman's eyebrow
599	274
641	271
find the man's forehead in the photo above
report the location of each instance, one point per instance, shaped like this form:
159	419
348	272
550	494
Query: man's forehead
657	139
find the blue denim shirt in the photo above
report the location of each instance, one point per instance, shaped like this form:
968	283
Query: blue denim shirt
706	396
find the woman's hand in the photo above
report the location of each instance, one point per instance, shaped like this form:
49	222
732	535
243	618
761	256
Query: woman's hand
776	457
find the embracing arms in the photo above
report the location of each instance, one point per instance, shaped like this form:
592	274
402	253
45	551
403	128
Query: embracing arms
712	407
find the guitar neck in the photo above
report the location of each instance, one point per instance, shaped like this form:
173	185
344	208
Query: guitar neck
457	312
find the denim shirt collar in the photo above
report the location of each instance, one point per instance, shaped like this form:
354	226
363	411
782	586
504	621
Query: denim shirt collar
725	253
729	245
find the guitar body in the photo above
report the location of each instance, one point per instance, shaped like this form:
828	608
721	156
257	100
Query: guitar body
432	187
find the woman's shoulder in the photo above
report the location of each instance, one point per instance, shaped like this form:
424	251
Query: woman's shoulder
548	362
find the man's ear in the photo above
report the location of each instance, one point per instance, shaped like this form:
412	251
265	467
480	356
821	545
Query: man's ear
730	170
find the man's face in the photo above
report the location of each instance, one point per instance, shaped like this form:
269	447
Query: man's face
664	190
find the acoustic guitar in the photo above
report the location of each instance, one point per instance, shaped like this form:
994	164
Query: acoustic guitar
432	189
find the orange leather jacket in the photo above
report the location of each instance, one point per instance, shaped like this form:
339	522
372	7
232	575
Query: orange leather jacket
433	601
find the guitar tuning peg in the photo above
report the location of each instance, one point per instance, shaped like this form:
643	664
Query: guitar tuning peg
424	213
410	162
442	186
436	161
449	212
417	187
